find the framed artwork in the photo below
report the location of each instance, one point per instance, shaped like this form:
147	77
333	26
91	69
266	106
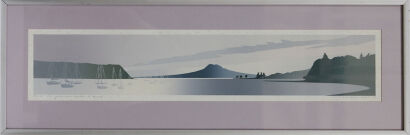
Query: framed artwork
221	67
204	65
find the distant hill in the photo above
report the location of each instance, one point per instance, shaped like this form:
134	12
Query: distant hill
289	75
344	69
44	69
210	71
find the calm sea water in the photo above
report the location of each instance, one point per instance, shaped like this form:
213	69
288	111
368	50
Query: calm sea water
167	86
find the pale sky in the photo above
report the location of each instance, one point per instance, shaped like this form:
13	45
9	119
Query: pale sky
148	55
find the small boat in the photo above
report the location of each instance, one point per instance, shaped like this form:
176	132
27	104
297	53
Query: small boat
53	82
67	83
100	77
76	74
113	77
51	70
120	77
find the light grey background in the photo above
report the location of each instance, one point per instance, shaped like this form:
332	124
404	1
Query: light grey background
153	55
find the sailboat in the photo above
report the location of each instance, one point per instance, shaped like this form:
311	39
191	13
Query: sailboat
120	77
51	69
113	77
76	74
100	77
67	83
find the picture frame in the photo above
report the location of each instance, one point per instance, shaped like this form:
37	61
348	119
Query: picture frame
406	56
47	74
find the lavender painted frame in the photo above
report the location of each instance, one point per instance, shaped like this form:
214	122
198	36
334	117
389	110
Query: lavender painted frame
234	132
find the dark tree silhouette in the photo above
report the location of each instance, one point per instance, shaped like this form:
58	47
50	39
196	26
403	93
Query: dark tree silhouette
344	69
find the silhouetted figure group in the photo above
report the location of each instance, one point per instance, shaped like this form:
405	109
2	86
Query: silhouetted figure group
260	75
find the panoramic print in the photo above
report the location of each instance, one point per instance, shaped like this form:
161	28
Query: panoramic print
204	65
